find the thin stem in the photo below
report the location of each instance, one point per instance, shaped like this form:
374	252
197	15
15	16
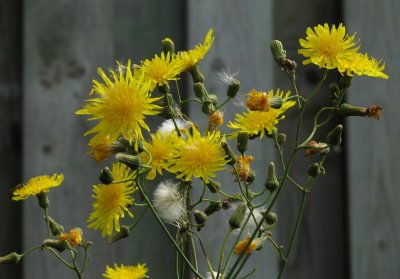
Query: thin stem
224	103
248	275
46	213
138	219
221	256
317	125
241	266
277	248
160	222
201	199
60	258
30	251
318	86
177	92
191	100
86	259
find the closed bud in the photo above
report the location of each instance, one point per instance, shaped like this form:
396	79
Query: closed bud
197	76
132	161
236	219
272	182
200	90
43	200
201	218
242	141
208	107
168	46
230	156
315	170
278	53
252	177
106	176
334	91
123	233
13	258
233	88
213	186
213	98
55	228
213	207
345	81
334	137
59	245
281	138
275	102
271	218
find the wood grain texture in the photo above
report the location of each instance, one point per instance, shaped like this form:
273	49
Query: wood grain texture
320	249
65	42
10	131
374	191
243	31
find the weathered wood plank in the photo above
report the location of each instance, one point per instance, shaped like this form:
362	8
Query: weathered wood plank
320	250
10	131
373	146
243	31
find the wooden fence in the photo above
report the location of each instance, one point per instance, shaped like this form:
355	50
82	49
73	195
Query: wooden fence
49	53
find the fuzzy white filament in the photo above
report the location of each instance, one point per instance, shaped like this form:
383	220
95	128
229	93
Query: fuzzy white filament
169	202
209	276
167	127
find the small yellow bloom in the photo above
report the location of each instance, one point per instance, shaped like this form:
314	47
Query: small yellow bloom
361	64
112	200
101	150
328	47
126	272
161	149
243	166
121	107
257	101
191	57
37	185
216	119
160	69
74	237
198	156
241	245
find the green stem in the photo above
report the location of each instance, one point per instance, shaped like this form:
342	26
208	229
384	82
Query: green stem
160	222
60	258
241	266
318	86
138	219
46	213
224	103
178	93
30	251
221	256
86	260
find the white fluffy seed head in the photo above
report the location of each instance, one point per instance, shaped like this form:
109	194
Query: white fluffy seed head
254	220
169	202
226	77
167	127
209	276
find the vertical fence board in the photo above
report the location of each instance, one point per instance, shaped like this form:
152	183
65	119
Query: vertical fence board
373	154
243	31
10	131
320	248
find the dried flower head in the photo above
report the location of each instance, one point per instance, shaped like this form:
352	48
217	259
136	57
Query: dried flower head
74	237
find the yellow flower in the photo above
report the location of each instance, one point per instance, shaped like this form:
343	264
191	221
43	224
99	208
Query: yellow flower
328	48
74	237
126	272
191	57
37	185
199	157
101	149
262	101
160	69
258	122
113	200
161	149
121	107
239	248
361	64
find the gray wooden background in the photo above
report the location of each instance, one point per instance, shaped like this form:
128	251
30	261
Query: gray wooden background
49	53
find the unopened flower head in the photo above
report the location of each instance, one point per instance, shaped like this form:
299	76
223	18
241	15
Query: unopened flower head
362	64
121	106
160	70
37	185
74	237
191	57
260	122
168	126
198	156
169	202
328	47
138	271
161	148
112	201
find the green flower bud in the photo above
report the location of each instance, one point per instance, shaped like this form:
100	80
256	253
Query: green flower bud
275	102
236	219
242	141
334	91
59	245
208	107
200	90
278	53
271	218
123	233
315	170
55	228
230	156
281	138
197	76
251	177
345	81
272	182
10	258
106	176
214	206
43	200
132	161
334	137
213	186
233	88
168	46
201	218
